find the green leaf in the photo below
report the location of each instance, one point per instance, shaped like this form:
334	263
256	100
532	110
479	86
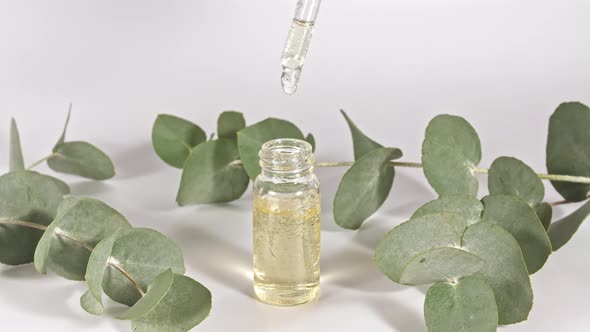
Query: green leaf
31	197
62	138
504	271
97	264
440	264
186	304
561	231
81	223
156	292
250	140
311	140
510	176
90	304
466	306
545	213
212	175
467	206
364	187
450	153
173	139
83	159
415	237
17	162
568	151
229	123
144	254
522	222
361	143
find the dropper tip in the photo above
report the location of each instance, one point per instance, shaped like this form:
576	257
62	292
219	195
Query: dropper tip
290	79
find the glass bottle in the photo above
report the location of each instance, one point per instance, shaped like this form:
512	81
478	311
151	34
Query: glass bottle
286	224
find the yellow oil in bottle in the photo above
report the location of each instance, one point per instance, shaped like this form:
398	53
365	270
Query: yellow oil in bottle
287	248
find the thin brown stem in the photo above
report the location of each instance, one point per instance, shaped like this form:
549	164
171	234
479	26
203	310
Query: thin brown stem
564	202
83	244
23	223
128	276
42	160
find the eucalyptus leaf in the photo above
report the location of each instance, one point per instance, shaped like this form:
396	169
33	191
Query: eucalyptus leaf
90	304
545	213
311	140
522	222
440	264
250	140
96	269
83	159
568	148
212	175
17	162
30	197
62	137
156	292
415	237
561	231
81	223
144	254
504	271
362	143
510	176
364	187
466	306
173	138
229	123
469	207
186	304
450	153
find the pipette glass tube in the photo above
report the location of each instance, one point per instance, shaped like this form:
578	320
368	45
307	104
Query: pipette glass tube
298	43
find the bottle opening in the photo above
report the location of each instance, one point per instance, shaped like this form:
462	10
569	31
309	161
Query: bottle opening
286	155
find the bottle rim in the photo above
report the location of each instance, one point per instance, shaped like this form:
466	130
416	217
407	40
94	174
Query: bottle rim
286	155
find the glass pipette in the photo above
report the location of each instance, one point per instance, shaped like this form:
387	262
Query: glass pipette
298	43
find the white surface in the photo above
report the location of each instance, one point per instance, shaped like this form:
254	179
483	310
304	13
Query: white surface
504	65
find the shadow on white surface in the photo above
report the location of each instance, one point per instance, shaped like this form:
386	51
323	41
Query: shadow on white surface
22	272
397	315
89	188
216	257
353	268
33	301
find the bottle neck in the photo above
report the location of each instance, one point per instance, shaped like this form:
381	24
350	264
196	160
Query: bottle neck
286	160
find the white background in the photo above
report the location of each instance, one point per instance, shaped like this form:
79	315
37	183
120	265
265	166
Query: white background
393	65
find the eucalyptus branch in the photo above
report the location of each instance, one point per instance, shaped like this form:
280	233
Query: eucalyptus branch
128	276
85	245
562	202
22	223
42	160
550	177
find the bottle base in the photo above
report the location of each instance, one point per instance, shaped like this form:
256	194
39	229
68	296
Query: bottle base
286	295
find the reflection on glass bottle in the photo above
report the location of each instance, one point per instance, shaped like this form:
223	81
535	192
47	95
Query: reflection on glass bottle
286	224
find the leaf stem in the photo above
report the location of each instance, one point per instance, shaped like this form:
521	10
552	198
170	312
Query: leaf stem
128	276
560	203
476	170
42	160
23	223
58	232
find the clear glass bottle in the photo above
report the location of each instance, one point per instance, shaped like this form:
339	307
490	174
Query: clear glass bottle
286	224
